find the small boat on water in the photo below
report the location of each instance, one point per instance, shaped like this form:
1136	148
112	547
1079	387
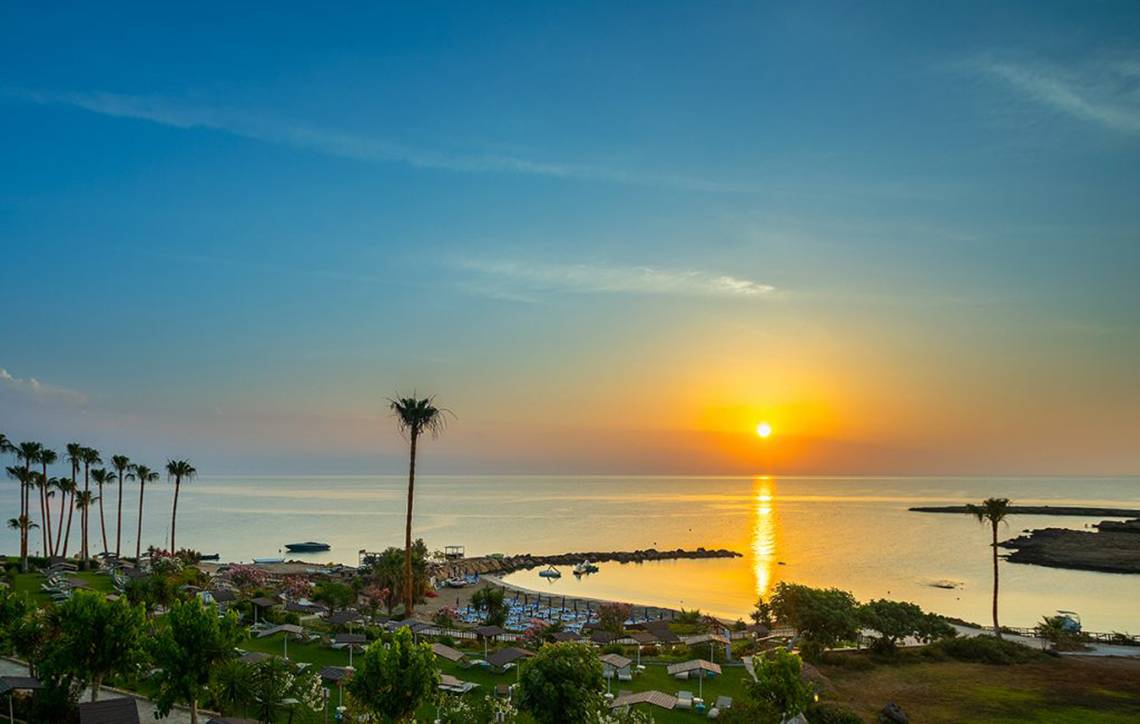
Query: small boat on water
307	547
551	572
263	561
585	567
210	557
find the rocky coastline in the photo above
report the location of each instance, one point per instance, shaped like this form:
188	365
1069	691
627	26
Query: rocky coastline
1114	547
1091	512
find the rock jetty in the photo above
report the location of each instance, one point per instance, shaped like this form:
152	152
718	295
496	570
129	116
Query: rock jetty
510	564
1113	548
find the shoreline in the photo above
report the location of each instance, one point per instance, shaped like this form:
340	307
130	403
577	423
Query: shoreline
1069	510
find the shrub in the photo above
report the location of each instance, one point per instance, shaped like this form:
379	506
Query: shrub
823	617
984	650
563	682
612	616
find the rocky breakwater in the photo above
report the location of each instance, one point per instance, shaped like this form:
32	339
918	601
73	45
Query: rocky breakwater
509	564
1113	548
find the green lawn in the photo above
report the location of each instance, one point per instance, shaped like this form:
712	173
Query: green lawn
29	583
730	683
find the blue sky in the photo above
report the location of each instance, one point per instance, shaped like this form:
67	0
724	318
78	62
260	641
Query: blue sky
608	235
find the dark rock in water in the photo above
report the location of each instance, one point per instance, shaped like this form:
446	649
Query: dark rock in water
1114	548
893	714
1091	512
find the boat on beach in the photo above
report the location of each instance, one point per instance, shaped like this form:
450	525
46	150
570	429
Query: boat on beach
263	561
307	547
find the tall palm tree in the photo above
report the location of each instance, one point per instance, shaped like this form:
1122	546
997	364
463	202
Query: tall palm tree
179	470
60	485
102	477
121	463
29	453
992	511
89	456
40	481
75	459
414	417
5	444
46	457
144	475
83	501
69	488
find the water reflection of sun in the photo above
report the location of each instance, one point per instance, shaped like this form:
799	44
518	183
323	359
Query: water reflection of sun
763	532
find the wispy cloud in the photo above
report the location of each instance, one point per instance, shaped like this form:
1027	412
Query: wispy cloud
524	281
34	388
268	129
1105	91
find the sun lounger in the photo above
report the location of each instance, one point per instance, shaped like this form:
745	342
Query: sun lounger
684	700
724	702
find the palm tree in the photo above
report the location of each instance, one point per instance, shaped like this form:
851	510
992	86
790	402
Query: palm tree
992	511
46	457
413	418
121	463
22	524
41	482
83	501
179	470
144	475
67	489
29	452
75	459
101	478
88	456
5	444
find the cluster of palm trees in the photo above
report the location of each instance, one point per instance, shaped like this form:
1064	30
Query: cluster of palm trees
55	526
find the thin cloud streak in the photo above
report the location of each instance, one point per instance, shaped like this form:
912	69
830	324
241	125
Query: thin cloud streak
1105	93
520	281
358	148
34	388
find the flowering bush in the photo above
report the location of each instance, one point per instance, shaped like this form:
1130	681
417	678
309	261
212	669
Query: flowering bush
296	587
248	576
445	617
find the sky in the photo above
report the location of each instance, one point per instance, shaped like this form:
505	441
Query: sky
609	237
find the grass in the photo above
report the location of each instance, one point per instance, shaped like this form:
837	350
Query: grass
1065	689
730	683
29	584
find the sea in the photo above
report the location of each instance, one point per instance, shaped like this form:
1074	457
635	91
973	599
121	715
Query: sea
854	533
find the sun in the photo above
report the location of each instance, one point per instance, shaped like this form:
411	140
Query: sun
764	430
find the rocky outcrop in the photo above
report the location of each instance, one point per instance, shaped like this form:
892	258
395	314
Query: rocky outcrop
510	564
1113	548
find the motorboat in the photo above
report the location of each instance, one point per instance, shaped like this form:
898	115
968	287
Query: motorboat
263	561
551	572
585	567
307	547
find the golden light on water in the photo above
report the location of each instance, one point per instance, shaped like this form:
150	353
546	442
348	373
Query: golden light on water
763	533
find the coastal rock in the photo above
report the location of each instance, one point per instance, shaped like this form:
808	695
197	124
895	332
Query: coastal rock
892	713
525	561
1113	548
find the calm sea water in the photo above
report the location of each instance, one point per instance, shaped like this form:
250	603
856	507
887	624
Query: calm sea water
854	533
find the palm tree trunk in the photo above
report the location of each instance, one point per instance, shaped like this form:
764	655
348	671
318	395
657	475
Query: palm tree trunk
408	530
70	513
102	522
997	629
45	530
59	528
96	684
174	513
194	711
138	535
86	512
119	524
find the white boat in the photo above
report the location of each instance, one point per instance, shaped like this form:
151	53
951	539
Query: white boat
551	572
268	560
585	567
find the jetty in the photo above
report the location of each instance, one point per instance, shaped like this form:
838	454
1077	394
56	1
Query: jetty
503	565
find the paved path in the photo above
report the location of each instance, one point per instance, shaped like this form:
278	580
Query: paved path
146	707
1095	649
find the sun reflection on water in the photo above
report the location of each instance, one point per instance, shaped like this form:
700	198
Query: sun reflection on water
763	532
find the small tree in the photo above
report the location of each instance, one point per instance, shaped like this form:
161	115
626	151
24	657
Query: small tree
277	686
822	617
230	685
779	693
612	616
334	595
97	638
490	602
1060	632
897	620
762	614
562	683
186	648
393	680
